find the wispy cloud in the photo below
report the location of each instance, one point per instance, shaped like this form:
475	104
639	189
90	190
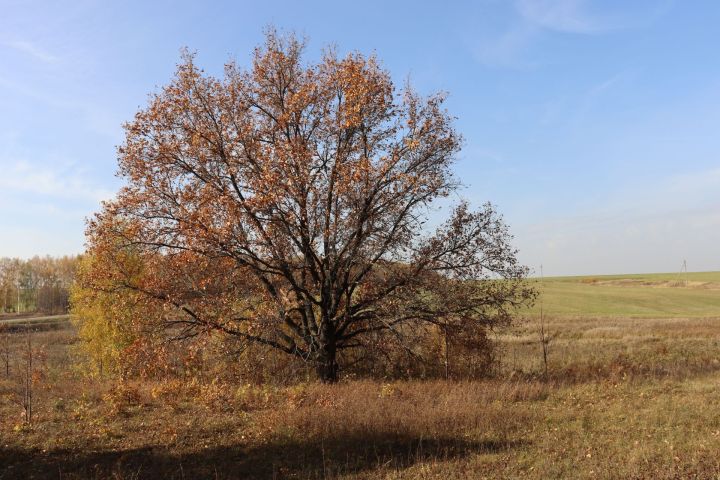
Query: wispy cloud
61	182
578	109
33	50
572	108
589	17
531	19
560	15
506	50
95	116
607	84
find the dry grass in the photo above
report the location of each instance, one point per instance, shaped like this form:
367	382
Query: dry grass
586	349
624	398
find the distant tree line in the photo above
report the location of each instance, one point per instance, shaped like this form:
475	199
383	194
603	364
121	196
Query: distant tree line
36	285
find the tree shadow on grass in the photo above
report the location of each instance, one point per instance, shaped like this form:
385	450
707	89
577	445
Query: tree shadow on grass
278	459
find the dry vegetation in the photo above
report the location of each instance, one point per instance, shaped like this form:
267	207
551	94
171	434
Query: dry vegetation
624	398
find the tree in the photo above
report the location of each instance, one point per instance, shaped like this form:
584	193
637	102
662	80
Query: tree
106	316
9	280
29	372
287	206
5	348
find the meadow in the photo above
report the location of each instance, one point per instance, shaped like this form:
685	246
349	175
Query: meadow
632	390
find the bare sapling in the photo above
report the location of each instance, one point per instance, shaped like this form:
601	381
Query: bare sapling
545	337
5	348
26	376
29	373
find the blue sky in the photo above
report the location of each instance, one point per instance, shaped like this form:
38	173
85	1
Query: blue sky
592	125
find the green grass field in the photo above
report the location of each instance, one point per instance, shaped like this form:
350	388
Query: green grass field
664	295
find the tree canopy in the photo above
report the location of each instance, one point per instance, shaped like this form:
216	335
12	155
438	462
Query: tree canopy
287	205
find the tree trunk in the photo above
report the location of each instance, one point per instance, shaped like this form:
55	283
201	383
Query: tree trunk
327	367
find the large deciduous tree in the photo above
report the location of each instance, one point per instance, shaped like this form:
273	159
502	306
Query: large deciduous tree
287	206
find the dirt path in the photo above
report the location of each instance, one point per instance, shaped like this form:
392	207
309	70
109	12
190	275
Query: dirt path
38	323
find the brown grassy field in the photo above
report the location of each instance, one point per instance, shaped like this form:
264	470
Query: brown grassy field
623	398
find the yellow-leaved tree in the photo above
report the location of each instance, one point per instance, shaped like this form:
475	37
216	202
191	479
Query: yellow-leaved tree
107	316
